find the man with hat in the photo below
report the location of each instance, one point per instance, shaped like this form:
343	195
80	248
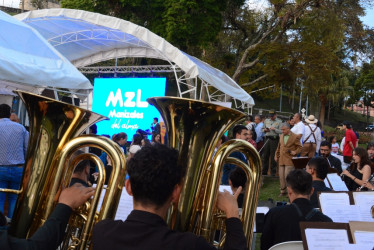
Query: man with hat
272	131
312	137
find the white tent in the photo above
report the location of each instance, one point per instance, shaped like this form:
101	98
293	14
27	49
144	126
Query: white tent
29	62
86	38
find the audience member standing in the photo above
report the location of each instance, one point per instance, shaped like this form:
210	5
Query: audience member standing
349	143
299	127
331	160
312	137
282	223
135	145
289	146
335	148
13	145
370	149
155	126
249	123
272	130
318	169
260	134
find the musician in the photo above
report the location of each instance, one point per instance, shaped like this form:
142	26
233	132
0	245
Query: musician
282	222
155	182
50	235
359	171
156	128
239	132
237	179
333	162
318	168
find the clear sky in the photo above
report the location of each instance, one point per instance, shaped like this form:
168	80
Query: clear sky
369	18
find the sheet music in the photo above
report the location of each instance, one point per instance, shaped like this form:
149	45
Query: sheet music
342	213
125	205
327	183
225	187
336	199
366	238
364	200
326	239
358	247
336	182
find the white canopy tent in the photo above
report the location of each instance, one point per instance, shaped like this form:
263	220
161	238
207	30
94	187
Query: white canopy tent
29	62
86	38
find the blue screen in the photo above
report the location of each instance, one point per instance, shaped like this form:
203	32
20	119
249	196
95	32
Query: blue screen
123	100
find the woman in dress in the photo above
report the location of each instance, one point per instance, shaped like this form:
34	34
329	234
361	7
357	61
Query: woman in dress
359	171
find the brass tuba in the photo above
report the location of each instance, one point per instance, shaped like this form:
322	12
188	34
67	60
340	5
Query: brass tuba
54	136
194	128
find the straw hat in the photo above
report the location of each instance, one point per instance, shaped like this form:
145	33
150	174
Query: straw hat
311	119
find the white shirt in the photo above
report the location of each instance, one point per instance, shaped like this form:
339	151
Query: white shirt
317	134
299	129
342	144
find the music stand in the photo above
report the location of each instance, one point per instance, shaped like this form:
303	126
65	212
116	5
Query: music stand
323	225
300	162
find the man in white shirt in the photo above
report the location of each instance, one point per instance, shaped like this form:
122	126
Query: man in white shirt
312	137
299	127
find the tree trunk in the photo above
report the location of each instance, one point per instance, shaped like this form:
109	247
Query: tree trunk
322	112
328	111
293	98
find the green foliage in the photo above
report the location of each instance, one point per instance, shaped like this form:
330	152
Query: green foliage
186	24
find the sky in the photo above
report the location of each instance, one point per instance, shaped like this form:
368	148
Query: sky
369	18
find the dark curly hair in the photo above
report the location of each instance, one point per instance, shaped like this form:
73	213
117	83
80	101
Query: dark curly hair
154	171
238	177
4	111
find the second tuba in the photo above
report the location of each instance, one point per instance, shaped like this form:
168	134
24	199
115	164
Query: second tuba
194	128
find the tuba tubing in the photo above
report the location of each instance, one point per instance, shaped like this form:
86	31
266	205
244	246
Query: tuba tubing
253	172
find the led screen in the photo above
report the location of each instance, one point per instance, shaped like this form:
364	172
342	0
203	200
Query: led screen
123	100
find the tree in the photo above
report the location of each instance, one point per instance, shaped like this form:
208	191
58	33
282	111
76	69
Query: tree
187	24
365	86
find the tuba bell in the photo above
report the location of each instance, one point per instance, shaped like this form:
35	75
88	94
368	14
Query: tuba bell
194	128
55	129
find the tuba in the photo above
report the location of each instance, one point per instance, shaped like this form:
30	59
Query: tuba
194	128
54	136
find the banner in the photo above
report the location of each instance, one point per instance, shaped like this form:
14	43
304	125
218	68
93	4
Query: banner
123	100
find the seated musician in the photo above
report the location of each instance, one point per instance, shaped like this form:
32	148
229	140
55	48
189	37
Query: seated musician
333	162
282	223
237	179
317	168
155	182
81	173
50	235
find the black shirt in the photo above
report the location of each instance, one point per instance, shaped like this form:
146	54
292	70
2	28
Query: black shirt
48	237
77	180
144	230
319	186
335	163
282	223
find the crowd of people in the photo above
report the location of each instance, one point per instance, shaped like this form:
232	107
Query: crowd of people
155	182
